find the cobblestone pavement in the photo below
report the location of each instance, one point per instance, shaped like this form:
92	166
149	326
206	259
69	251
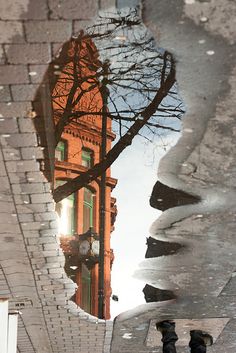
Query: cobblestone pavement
31	267
201	34
31	262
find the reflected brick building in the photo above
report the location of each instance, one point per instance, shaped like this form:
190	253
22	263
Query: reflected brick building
78	150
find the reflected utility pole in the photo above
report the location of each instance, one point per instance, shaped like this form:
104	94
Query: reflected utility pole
102	219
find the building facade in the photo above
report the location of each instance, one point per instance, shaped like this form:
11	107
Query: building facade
77	151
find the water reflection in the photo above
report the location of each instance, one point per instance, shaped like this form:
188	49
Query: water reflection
109	83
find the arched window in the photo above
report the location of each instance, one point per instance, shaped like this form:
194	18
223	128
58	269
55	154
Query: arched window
66	213
88	209
87	158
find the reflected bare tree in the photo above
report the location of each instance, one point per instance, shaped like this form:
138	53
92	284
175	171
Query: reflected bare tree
114	71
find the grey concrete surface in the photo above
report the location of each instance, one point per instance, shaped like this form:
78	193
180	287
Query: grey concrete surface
202	37
31	263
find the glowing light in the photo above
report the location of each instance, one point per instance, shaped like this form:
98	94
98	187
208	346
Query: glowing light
64	217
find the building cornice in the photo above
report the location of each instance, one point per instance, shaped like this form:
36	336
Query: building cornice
76	168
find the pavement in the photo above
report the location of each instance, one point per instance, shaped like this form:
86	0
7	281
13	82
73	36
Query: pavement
31	262
202	274
201	34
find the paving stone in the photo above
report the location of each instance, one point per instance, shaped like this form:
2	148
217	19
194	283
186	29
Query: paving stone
7	206
11	154
31	153
24	140
4	187
13	74
35	177
8	126
5	95
72	9
26	217
9	228
22	9
23	92
50	259
28	53
6	254
127	3
48	31
2	55
48	240
11	32
2	168
30	234
47	187
21	199
33	248
26	125
8	218
14	109
56	49
20	268
17	177
30	208
32	188
105	4
33	225
54	224
45	216
22	166
40	198
48	253
80	25
51	206
37	72
52	246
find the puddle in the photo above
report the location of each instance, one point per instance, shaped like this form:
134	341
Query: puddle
110	87
143	180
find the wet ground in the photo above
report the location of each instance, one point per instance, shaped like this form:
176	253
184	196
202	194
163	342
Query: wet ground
201	273
195	269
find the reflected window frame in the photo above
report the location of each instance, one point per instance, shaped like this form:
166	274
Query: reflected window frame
87	157
61	151
88	205
72	199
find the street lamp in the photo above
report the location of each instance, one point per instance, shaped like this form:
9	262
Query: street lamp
102	219
87	246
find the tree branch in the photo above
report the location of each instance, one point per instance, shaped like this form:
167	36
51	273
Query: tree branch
87	177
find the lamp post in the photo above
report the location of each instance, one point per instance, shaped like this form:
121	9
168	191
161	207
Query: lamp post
102	217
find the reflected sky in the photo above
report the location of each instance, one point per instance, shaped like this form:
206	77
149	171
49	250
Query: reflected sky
135	75
134	218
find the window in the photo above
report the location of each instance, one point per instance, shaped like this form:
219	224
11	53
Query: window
88	210
66	213
86	289
87	158
60	152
